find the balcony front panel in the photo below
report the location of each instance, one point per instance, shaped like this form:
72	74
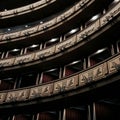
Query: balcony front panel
84	78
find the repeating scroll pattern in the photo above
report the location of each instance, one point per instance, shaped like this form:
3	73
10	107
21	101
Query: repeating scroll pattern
78	80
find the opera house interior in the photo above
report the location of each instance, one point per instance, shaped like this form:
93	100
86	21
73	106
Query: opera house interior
59	60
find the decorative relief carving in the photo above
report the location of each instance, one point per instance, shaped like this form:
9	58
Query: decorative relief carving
11	96
72	82
88	31
93	74
22	94
44	53
46	90
59	86
109	15
85	77
24	59
7	62
2	97
114	64
35	92
65	44
100	71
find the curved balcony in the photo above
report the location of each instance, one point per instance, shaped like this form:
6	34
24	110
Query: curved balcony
54	26
76	40
98	76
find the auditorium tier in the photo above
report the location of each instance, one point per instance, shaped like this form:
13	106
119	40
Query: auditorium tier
59	60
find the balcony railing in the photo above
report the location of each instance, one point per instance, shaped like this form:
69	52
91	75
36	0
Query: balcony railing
95	73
